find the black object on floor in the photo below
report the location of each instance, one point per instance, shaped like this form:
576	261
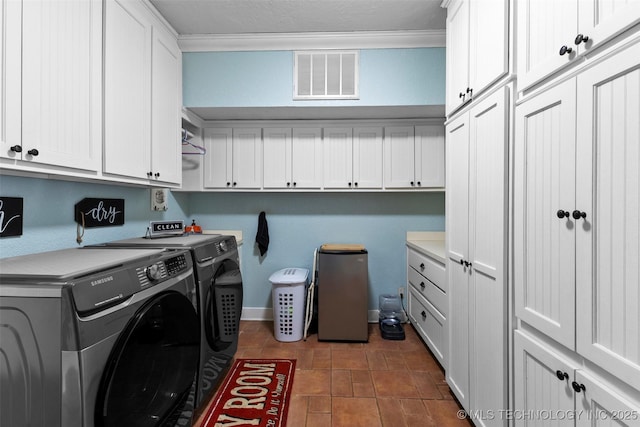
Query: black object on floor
391	329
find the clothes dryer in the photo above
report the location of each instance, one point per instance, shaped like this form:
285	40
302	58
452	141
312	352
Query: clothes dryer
219	283
98	338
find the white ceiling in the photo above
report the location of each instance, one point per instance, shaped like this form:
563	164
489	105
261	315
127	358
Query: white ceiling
230	17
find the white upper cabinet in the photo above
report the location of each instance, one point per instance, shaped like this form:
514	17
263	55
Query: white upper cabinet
399	157
233	159
141	96
306	158
166	96
127	94
414	156
429	156
51	95
277	158
217	163
477	48
291	158
553	33
353	157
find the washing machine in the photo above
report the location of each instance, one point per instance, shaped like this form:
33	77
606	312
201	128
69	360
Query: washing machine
98	338
219	283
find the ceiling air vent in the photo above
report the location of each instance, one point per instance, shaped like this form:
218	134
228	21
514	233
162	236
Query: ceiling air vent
325	75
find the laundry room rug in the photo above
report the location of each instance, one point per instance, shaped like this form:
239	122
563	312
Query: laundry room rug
256	392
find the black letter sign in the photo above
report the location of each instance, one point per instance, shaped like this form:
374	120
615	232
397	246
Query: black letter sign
99	212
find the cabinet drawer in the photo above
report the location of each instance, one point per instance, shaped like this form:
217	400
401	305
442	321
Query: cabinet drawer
429	268
428	290
429	323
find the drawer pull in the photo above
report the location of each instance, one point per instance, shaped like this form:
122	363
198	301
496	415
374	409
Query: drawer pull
422	285
424	314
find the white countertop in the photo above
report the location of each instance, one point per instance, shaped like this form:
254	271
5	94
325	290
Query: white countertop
430	243
236	233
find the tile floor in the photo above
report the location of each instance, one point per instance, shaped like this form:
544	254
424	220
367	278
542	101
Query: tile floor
380	383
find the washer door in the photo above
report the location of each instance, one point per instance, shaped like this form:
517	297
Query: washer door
152	368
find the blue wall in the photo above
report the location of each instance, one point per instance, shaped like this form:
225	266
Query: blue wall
300	222
48	213
265	79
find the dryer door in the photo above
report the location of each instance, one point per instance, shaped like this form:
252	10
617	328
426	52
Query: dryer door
152	368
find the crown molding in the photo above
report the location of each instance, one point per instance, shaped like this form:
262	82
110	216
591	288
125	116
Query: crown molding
304	41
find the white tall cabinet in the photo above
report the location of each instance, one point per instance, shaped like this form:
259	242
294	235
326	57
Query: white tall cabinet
476	224
576	224
52	82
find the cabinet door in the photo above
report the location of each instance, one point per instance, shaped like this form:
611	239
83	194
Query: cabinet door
11	70
399	157
218	158
338	157
367	157
429	156
166	107
457	54
541	386
127	89
247	158
544	26
601	406
607	191
488	137
277	158
544	244
600	20
306	158
488	42
61	83
457	226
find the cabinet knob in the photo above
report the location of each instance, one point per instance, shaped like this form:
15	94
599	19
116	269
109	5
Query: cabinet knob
422	285
17	148
467	263
355	184
577	214
235	183
412	183
461	95
562	375
419	184
349	184
228	184
149	174
294	184
562	214
581	39
470	92
424	314
157	175
578	387
564	50
422	266
34	152
288	184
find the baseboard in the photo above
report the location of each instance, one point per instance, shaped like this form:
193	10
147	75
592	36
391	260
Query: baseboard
266	314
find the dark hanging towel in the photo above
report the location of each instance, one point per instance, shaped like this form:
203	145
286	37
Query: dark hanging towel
262	237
